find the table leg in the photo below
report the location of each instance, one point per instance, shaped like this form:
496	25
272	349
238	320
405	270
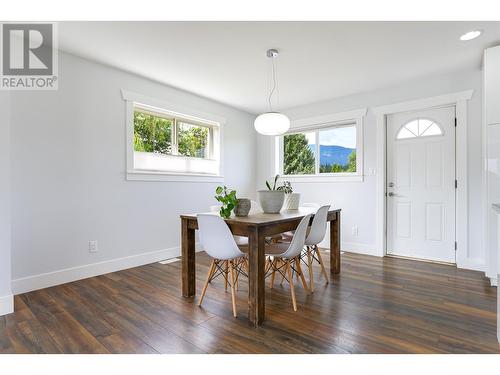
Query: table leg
256	277
335	245
188	260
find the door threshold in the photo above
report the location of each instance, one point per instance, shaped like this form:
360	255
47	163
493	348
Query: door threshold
421	260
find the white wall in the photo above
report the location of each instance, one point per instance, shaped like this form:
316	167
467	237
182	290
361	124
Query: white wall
6	300
491	85
68	176
357	199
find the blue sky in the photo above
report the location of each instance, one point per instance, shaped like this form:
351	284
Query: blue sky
342	136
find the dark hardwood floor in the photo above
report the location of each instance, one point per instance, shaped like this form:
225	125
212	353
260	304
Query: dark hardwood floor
376	305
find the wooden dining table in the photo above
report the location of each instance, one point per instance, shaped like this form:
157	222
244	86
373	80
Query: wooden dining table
256	227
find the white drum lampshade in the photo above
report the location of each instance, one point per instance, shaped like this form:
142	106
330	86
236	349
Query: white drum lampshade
272	123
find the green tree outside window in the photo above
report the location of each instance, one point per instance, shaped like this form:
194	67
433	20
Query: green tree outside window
298	158
338	168
152	133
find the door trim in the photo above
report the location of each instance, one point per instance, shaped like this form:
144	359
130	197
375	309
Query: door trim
448	128
459	100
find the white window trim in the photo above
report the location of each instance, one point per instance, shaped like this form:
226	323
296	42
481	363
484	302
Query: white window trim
132	98
325	122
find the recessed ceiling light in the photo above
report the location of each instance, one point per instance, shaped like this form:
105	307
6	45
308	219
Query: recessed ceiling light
471	35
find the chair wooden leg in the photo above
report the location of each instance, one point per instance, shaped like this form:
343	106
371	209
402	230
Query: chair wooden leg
236	278
301	274
273	274
310	266
292	288
323	270
269	263
284	272
233	286
226	274
210	273
245	264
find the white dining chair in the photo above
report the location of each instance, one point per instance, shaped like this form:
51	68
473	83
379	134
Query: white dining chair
313	238
287	236
240	240
315	235
254	209
284	258
218	242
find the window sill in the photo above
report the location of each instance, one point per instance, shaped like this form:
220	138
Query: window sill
318	178
143	175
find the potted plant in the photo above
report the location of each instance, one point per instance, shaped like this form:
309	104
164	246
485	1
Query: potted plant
292	200
271	200
230	202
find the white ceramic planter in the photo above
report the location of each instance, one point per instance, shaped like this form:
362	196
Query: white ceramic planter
292	201
271	201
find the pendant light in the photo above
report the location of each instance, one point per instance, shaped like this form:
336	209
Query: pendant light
272	123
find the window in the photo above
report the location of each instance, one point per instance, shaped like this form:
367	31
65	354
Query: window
159	133
332	150
165	142
337	150
152	133
299	153
193	140
421	127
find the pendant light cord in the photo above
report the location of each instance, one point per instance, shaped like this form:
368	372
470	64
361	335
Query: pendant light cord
274	84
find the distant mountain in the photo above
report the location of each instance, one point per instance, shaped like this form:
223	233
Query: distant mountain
331	154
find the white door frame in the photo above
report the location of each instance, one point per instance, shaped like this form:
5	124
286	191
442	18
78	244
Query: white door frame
459	100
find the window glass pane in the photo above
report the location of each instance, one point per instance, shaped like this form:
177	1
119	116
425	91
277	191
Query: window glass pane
298	155
337	150
419	128
405	133
423	125
192	140
432	130
413	127
152	133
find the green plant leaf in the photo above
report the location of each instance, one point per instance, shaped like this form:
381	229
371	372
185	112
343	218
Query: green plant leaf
268	186
228	199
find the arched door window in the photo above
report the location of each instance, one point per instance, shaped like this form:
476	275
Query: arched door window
421	127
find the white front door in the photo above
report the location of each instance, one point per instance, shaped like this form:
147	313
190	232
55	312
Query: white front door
421	184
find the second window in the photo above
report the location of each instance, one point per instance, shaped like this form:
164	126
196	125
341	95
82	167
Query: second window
322	151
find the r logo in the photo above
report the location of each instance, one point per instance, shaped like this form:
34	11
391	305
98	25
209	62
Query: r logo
27	49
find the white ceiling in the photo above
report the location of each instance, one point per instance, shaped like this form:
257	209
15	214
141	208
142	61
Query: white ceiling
226	61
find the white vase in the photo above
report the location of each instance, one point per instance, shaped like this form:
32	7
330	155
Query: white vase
271	201
292	201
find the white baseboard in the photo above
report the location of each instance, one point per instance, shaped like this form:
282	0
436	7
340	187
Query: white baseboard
45	280
360	248
493	281
470	264
6	304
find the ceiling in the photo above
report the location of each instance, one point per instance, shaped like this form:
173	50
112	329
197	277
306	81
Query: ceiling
226	61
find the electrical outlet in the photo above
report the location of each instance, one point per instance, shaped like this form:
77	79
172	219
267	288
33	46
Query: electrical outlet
93	247
355	231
